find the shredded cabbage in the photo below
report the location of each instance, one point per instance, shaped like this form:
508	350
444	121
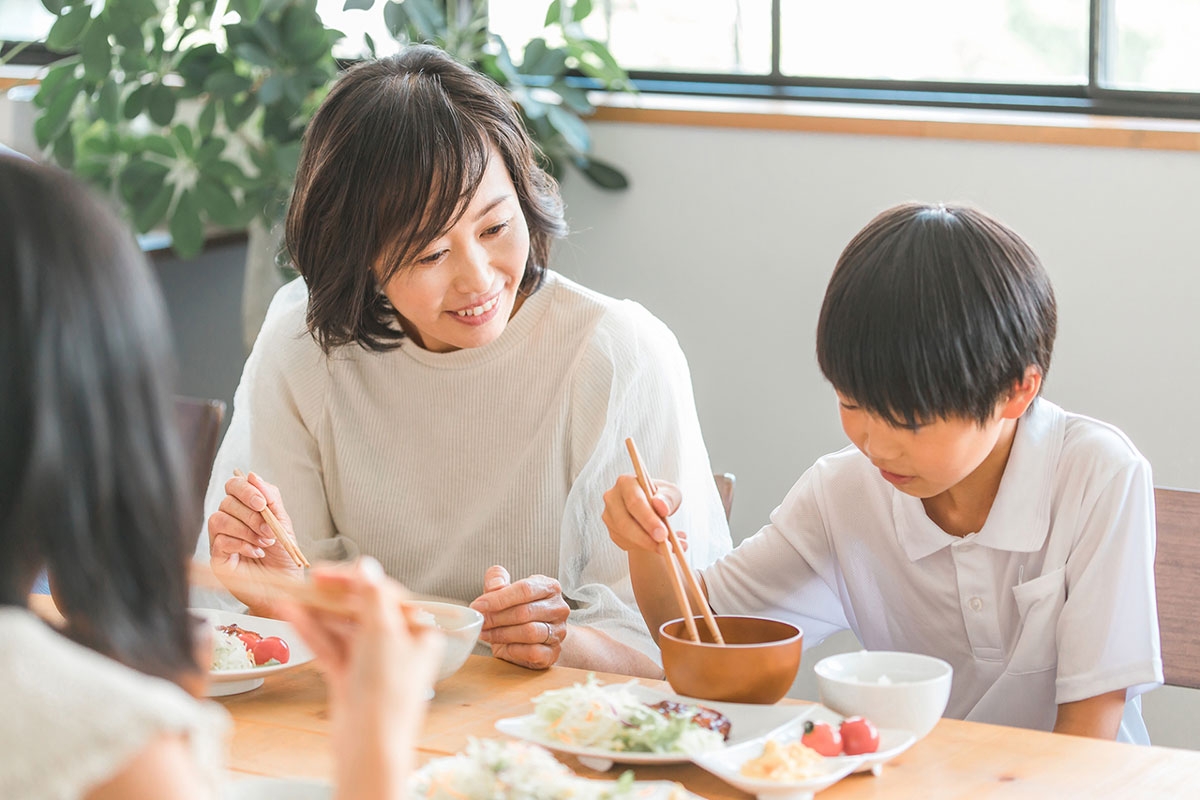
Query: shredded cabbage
502	770
229	652
613	719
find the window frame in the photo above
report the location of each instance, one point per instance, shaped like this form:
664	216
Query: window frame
1090	98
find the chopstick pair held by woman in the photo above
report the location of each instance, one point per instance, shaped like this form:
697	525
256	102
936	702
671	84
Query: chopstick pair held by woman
92	491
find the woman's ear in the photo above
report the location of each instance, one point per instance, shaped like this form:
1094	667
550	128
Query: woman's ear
1023	393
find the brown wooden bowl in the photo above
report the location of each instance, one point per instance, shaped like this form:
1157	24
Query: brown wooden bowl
757	664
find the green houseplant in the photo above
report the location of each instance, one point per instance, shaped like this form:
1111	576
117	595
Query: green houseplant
190	113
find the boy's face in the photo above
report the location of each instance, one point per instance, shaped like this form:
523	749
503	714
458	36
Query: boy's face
931	458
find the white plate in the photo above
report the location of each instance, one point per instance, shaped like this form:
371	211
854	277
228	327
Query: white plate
243	680
727	764
276	789
747	722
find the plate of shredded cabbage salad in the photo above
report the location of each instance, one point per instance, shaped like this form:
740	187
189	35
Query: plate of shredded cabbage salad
495	769
629	723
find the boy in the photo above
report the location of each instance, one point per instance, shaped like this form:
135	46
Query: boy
971	520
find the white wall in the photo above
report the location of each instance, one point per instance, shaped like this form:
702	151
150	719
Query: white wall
729	236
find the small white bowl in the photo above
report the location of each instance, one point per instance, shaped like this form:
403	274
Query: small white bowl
460	625
912	697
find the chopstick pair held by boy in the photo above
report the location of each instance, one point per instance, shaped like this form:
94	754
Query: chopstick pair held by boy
971	520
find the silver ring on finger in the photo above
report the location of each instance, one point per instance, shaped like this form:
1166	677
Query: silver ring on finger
549	634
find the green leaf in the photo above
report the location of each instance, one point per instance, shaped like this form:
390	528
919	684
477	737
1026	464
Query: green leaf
161	105
108	101
575	98
151	212
207	120
54	120
64	149
581	9
248	10
209	152
602	174
370	44
225	84
68	29
55	7
254	54
135	103
186	227
217	201
237	112
96	53
183	135
53	81
272	89
130	37
140	180
358	5
553	14
226	172
154	143
287	156
571	127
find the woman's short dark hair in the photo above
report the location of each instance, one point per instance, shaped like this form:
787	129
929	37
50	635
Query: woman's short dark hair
935	312
389	162
91	477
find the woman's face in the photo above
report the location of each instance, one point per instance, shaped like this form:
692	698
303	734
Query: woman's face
461	289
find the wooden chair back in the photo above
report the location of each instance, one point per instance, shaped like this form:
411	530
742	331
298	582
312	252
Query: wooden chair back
199	428
725	481
1177	580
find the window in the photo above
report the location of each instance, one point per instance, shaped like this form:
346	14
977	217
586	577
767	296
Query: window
1102	56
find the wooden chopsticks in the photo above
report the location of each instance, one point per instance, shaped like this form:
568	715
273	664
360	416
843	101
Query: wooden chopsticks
673	547
291	547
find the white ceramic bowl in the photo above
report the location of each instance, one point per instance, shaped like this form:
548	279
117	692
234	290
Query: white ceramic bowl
912	696
460	625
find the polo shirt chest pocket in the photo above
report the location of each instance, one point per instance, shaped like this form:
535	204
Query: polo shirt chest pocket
1039	604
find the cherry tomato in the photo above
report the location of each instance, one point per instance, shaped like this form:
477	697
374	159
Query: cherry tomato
821	737
269	648
859	735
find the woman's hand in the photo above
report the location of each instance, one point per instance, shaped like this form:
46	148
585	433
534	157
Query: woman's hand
379	668
633	524
240	541
524	622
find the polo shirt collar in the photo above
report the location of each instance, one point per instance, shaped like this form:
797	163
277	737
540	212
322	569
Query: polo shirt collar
1019	519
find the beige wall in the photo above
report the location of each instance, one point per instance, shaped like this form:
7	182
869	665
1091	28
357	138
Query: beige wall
729	236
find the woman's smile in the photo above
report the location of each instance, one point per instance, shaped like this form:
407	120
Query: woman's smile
479	313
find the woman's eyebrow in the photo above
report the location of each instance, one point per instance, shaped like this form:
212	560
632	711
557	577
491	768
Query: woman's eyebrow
483	213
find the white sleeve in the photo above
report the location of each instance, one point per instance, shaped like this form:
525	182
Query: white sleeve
274	430
1107	633
786	571
632	381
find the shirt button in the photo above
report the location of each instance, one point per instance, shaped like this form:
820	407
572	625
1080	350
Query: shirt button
976	604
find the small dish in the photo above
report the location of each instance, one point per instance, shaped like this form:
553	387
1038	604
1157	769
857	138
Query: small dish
227	682
757	663
727	764
460	625
747	722
908	691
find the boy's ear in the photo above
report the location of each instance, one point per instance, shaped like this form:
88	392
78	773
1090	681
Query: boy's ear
1023	394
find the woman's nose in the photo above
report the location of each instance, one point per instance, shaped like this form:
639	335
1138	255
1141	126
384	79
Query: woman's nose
474	275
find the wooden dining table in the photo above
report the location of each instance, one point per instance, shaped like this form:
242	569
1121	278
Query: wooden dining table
282	730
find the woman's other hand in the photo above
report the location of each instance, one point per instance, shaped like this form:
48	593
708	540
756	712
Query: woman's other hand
379	667
241	542
633	523
524	622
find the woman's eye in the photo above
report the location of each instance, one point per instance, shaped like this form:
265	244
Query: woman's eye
492	231
432	258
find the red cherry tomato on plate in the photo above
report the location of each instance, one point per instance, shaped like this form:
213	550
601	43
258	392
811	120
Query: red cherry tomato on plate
821	737
859	735
269	648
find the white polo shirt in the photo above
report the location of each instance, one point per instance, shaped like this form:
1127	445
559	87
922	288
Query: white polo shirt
1051	602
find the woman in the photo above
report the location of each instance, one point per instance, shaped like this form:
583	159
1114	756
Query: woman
91	491
431	394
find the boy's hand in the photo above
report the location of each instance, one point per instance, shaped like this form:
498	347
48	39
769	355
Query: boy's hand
633	524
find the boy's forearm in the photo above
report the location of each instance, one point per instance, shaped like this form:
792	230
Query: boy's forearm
1098	717
653	592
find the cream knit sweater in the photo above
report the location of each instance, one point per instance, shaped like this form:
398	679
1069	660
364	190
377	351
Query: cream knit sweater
442	464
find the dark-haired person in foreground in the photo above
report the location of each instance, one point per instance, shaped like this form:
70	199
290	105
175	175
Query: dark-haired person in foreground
92	490
431	394
971	520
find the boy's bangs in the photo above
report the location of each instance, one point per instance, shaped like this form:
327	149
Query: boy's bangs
436	184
